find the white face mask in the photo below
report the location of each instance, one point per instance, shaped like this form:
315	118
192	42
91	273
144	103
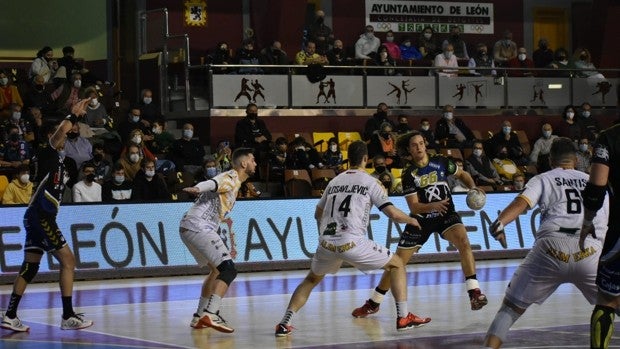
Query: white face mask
583	147
119	179
94	102
428	35
333	147
389	38
477	152
448	115
134	158
157	130
136	139
77	83
188	134
585	114
507	129
519	185
4	81
147	100
570	115
149	173
521	56
546	134
448	54
25	178
426	127
16	115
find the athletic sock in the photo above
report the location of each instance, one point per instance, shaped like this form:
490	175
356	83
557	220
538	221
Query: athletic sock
202	303
288	316
377	296
67	307
11	310
401	309
471	282
214	304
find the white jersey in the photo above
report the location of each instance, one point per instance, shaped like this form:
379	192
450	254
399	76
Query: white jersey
558	194
211	208
346	204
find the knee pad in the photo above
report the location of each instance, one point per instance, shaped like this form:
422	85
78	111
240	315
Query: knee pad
504	319
29	270
228	272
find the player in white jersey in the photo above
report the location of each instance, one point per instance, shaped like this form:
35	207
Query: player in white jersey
199	231
556	256
343	214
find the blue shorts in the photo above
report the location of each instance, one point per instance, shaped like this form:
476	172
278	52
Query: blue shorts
412	236
42	232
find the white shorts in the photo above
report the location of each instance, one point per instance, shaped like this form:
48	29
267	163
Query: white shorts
206	247
364	254
551	262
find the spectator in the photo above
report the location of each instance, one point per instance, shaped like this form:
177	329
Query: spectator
338	56
252	132
96	114
39	96
149	186
452	132
309	56
15	152
303	156
518	181
9	94
570	127
428	134
505	167
221	55
77	147
408	51
223	156
504	50
583	60
372	125
247	55
149	109
590	126
102	165
278	159
402	126
481	59
136	137
274	55
332	157
392	48
481	168
117	188
68	93
383	59
209	169
44	65
320	34
23	125
522	62
384	143
130	161
133	121
458	44
563	65
72	66
584	156
427	43
367	45
540	151
543	56
505	137
446	62
188	153
162	139
87	190
380	167
19	191
389	184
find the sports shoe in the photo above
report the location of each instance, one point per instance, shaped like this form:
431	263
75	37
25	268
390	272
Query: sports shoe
75	322
477	299
13	324
410	321
216	322
195	323
366	309
283	330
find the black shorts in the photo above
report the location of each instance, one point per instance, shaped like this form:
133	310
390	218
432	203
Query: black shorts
608	276
42	232
412	237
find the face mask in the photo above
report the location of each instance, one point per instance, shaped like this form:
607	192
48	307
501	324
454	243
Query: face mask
149	173
211	172
134	118
188	134
385	135
333	147
585	114
546	134
119	179
136	139
482	53
428	35
90	177
448	115
447	54
14	137
389	38
370	36
583	57
39	87
519	185
381	114
583	147
72	135
570	115
506	129
380	169
65	178
98	157
16	115
387	185
94	102
134	158
426	127
4	81
477	152
252	116
25	178
62	154
77	83
337	50
157	130
521	56
147	100
320	20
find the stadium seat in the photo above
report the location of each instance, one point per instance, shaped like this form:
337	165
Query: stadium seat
320	177
397	172
452	152
345	138
297	183
320	140
524	141
4	181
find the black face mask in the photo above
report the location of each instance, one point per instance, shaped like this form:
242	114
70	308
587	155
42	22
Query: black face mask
72	135
90	177
385	135
14	137
380	169
98	157
252	116
39	87
320	20
337	50
381	114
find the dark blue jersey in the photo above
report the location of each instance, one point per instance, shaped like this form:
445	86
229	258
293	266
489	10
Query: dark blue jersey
430	182
606	151
48	196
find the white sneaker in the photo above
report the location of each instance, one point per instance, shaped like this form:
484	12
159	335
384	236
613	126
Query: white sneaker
13	324
195	323
75	322
216	322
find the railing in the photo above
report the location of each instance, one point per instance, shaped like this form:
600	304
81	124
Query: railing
409	87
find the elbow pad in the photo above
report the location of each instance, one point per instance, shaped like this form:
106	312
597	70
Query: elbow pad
593	196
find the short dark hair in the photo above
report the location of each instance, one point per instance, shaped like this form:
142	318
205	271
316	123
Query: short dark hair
563	149
88	164
68	49
239	153
357	151
23	168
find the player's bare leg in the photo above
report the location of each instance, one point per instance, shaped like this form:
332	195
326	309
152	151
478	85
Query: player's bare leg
506	316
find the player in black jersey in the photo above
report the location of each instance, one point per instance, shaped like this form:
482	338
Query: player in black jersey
43	234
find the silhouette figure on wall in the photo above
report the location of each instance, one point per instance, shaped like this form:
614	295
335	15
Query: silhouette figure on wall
538	95
396	90
332	90
478	91
245	90
603	88
405	84
257	91
460	91
322	86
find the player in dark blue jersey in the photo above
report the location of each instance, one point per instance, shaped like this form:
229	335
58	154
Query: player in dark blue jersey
603	173
43	234
425	186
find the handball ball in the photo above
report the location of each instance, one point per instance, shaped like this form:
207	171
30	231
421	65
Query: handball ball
476	199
